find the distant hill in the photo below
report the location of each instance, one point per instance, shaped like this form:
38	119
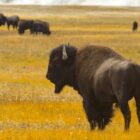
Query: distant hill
75	2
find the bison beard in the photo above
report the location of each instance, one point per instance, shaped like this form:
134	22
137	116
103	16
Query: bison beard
101	76
58	87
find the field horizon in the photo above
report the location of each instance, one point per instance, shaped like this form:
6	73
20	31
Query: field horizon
29	109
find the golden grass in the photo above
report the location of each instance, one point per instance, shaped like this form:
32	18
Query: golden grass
29	109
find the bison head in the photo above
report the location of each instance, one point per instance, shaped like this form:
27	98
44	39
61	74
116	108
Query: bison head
47	32
3	19
61	68
21	31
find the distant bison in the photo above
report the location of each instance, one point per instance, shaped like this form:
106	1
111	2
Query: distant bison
135	26
41	27
101	76
13	21
24	25
2	19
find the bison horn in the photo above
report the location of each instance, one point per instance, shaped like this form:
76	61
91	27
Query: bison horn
64	53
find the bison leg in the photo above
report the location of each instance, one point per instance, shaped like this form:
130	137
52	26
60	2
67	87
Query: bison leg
8	26
105	113
101	124
138	108
92	124
126	113
14	26
87	107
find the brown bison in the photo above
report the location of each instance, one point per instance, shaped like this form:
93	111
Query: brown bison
24	25
135	26
41	27
101	76
2	19
13	21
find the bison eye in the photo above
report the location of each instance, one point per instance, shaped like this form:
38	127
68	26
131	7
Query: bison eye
55	59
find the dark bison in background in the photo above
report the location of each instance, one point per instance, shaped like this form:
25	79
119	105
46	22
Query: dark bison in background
12	21
41	27
135	26
2	19
101	76
24	25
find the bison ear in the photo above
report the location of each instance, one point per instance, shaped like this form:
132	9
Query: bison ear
64	53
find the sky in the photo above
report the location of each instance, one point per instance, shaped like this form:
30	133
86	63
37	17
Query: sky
76	2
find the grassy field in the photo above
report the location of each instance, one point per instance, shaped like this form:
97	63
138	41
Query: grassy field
29	109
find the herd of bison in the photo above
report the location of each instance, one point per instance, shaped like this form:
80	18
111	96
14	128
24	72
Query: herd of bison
35	26
100	75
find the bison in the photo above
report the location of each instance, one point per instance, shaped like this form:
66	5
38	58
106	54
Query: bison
101	76
135	26
13	20
41	27
25	25
2	19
